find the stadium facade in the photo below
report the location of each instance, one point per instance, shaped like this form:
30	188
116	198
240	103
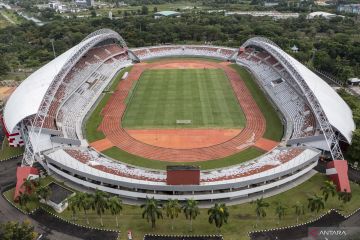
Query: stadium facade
46	113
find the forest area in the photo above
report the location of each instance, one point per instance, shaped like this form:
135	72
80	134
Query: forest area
331	45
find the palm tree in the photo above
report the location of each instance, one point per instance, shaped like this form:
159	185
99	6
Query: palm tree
24	199
261	205
218	214
172	209
28	185
100	203
191	210
85	202
328	189
43	192
344	196
299	210
73	206
280	210
316	203
152	210
37	182
115	207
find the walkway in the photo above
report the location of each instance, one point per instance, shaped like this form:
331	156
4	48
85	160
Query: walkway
50	227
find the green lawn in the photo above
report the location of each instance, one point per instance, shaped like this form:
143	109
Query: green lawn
95	119
6	151
32	204
126	157
163	96
241	221
274	127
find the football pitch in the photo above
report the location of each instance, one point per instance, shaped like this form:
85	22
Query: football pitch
164	98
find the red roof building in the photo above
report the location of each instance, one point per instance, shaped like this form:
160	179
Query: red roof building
23	173
337	171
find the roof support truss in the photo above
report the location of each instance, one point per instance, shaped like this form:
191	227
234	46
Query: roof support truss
31	148
325	126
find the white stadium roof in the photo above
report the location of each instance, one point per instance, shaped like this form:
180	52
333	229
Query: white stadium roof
26	99
337	111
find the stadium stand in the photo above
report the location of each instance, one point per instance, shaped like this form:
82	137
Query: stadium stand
301	121
87	69
184	50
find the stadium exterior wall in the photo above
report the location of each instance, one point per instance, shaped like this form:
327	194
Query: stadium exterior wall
16	111
197	192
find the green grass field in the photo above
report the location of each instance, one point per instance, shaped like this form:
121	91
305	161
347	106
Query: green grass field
7	152
273	128
243	156
203	96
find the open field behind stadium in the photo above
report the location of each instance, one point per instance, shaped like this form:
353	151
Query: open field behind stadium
163	96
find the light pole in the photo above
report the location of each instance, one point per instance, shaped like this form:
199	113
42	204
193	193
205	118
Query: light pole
53	48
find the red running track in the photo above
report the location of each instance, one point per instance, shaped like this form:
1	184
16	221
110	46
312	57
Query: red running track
115	108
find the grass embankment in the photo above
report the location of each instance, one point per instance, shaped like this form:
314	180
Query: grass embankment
274	127
242	217
203	96
7	152
95	119
126	157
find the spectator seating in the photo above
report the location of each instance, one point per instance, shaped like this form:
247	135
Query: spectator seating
283	90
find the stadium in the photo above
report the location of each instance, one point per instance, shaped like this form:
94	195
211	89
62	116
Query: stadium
181	105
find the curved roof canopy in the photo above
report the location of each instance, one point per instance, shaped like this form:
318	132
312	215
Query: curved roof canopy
28	96
336	110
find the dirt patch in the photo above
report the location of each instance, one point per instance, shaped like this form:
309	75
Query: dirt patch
266	144
183	138
102	144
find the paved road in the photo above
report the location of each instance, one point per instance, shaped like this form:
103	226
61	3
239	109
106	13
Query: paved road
50	227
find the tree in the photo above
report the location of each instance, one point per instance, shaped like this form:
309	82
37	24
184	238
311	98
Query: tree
151	211
316	203
280	210
172	209
115	207
144	10
260	211
191	211
328	189
28	185
73	204
93	13
100	203
17	231
354	148
218	214
43	192
85	202
24	199
4	67
344	196
299	210
155	9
